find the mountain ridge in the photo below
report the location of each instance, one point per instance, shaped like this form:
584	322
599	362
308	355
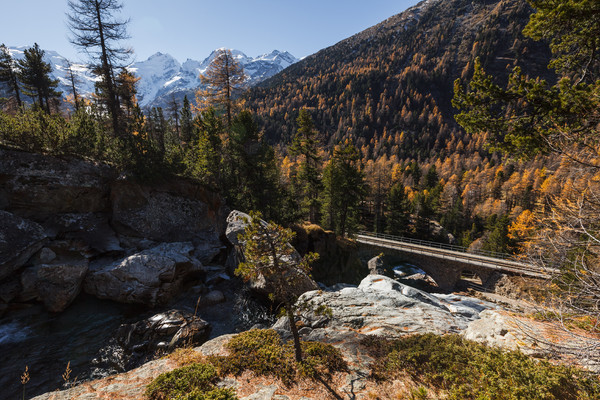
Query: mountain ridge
163	77
393	82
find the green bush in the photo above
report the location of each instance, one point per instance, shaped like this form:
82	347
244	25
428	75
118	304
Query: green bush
263	352
468	370
320	360
192	382
260	351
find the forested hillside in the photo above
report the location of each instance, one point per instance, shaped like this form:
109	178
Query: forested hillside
389	89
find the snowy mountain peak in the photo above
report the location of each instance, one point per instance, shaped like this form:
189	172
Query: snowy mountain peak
162	76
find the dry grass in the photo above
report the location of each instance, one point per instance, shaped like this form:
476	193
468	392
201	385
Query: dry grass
185	356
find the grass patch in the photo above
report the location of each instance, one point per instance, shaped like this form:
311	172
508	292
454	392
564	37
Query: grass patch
467	370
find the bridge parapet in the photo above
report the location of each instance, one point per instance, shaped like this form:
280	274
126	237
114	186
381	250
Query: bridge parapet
445	263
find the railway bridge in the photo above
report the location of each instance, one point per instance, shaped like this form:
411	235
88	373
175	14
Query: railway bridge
446	263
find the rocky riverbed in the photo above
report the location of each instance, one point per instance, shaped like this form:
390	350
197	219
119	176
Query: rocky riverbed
378	306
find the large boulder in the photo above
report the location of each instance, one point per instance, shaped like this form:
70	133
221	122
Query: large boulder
174	211
236	224
37	186
159	334
150	277
383	306
19	240
55	285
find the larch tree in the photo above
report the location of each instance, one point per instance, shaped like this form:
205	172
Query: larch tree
97	31
34	74
8	72
223	82
268	253
306	146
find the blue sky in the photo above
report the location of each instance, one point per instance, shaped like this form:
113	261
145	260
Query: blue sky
192	29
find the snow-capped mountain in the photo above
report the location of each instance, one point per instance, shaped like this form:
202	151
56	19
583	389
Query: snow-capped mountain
162	77
85	80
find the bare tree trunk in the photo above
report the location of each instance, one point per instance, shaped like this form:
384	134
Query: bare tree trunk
294	330
106	71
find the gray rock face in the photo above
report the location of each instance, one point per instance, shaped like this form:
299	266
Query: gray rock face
383	306
19	240
150	277
37	186
56	286
172	212
236	224
90	229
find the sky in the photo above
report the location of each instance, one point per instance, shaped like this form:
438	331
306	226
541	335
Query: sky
192	29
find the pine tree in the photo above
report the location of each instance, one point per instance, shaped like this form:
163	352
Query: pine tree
223	80
8	72
250	168
174	112
305	144
34	74
97	32
267	253
187	128
344	190
205	159
398	211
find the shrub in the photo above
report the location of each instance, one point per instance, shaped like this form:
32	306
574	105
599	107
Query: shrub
320	360
257	350
192	382
468	370
263	352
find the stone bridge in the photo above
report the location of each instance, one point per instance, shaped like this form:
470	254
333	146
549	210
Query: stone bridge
446	263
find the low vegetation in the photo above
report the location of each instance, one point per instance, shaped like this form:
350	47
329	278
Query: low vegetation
263	352
461	369
192	382
258	350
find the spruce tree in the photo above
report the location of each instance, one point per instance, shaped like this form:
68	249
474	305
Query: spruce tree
305	145
250	167
34	74
344	189
398	211
97	32
187	129
204	162
8	72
